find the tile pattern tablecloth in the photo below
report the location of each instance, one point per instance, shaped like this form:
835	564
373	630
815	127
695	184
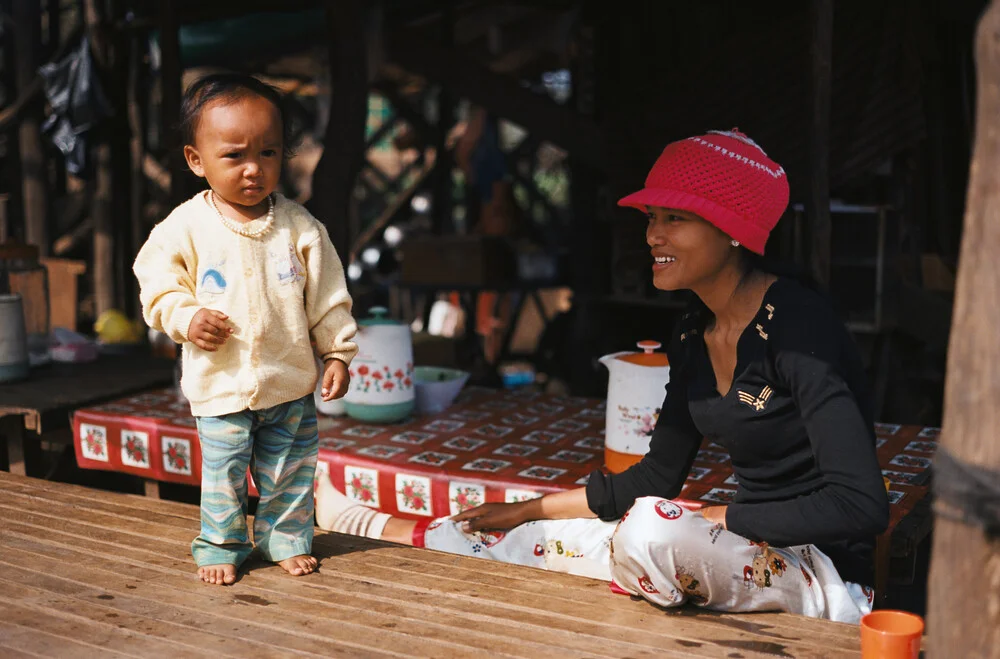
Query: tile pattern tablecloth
490	446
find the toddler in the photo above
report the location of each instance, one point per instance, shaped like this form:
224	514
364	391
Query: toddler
245	280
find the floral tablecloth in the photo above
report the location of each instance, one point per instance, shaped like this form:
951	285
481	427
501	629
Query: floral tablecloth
490	446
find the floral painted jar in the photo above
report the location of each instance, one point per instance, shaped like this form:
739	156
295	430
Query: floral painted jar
636	386
382	372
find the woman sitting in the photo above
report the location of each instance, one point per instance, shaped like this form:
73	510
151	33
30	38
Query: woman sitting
760	365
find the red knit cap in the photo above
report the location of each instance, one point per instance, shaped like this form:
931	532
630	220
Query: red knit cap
723	177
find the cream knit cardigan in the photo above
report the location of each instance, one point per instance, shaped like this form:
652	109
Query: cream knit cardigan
280	291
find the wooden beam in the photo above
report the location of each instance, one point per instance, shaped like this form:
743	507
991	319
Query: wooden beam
818	210
101	202
53	39
53	36
501	95
344	143
398	203
965	621
32	92
443	206
135	84
27	43
405	110
199	11
588	77
156	173
66	243
137	146
515	44
170	95
473	25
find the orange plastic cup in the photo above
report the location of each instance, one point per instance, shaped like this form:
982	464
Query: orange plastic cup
891	635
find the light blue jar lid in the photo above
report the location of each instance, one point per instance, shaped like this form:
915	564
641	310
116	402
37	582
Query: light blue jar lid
378	317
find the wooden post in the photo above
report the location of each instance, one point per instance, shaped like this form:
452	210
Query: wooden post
103	202
818	207
53	40
344	143
137	150
12	436
100	208
53	36
27	42
170	97
112	189
964	585
590	80
443	207
137	145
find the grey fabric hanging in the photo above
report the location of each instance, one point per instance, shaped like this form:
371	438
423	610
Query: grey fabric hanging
78	104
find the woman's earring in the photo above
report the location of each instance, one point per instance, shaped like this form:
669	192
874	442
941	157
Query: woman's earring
734	243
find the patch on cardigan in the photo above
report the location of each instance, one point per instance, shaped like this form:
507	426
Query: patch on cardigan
212	282
289	268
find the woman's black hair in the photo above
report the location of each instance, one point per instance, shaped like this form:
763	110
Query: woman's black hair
753	261
230	87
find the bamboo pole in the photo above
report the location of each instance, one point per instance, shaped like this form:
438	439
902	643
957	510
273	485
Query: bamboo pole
964	586
27	43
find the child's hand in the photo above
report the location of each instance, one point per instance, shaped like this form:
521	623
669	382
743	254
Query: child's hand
336	380
208	329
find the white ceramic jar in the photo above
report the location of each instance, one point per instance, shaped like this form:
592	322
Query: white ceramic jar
382	372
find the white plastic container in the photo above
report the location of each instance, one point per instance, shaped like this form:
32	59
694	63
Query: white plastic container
636	390
14	362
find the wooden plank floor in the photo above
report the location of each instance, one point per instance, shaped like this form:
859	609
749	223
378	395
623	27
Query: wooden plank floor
89	573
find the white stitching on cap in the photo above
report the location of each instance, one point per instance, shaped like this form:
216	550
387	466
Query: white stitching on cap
775	173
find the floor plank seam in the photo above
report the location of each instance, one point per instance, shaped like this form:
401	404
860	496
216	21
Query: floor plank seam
711	628
267	591
228	617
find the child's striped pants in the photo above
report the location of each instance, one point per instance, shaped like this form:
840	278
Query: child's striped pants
279	445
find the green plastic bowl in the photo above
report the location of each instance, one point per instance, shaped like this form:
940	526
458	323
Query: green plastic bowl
436	388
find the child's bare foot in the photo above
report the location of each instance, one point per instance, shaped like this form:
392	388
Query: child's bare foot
298	566
218	574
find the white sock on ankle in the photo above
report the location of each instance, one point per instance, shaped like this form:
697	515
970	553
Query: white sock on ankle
335	512
377	525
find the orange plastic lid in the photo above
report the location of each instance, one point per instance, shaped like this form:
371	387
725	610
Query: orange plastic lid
647	357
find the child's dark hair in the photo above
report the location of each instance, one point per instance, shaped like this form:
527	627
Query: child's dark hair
230	87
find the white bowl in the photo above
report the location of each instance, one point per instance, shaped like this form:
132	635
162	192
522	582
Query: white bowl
436	388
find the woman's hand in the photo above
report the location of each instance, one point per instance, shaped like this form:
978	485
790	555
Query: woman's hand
571	504
716	514
336	380
499	516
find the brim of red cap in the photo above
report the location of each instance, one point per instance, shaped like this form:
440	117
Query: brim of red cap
730	223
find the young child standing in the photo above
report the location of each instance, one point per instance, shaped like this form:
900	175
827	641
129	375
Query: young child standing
244	279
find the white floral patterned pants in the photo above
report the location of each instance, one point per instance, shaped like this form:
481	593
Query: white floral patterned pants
670	555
